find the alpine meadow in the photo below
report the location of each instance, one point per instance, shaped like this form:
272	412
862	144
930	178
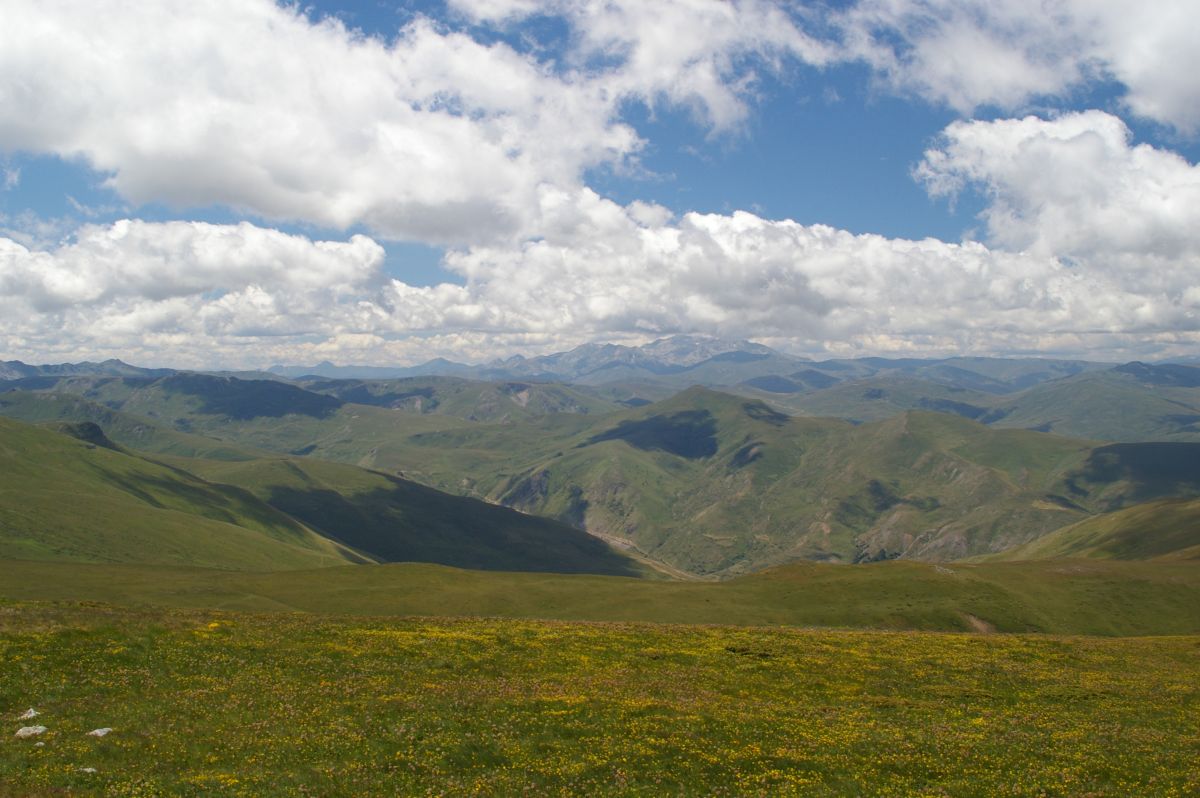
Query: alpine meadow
600	397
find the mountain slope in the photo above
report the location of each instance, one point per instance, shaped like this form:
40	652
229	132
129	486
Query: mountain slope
396	520
1120	404
389	518
1167	528
712	484
715	484
68	499
497	402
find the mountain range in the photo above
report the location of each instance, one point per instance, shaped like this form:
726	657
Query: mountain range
759	459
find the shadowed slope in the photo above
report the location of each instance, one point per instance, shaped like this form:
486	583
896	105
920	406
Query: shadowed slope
398	520
62	498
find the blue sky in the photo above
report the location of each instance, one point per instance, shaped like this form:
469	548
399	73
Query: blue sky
248	183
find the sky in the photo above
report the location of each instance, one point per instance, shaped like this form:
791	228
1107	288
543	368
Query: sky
241	183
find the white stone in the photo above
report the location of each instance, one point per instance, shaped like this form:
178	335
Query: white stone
29	714
30	731
99	732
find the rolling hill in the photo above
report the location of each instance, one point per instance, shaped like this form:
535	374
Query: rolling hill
703	483
396	520
472	400
713	484
1162	529
1055	597
336	505
87	500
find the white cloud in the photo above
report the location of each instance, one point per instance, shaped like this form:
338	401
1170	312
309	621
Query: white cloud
196	294
697	53
134	282
432	136
1074	186
243	103
971	53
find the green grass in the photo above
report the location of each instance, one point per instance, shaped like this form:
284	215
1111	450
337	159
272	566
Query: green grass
473	400
209	703
1107	405
1059	597
396	520
703	483
1165	528
68	499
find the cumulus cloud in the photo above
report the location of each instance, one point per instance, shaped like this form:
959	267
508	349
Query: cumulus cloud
693	53
432	136
1073	186
242	295
972	53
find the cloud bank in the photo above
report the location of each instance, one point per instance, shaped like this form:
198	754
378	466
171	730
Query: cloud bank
245	295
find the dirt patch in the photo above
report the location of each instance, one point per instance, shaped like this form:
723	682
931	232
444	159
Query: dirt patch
979	625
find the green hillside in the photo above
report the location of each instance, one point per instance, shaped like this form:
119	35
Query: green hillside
1121	404
181	418
1107	405
1062	597
128	430
1167	528
714	484
703	484
879	398
396	520
495	402
62	498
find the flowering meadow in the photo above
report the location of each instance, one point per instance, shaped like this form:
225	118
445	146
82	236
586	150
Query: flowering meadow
212	703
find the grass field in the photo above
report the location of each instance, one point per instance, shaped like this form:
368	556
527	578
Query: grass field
1056	597
210	703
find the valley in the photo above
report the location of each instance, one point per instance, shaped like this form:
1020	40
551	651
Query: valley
708	482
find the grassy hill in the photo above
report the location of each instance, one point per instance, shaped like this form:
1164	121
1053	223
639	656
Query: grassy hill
227	703
494	402
63	498
1127	403
703	483
714	484
396	520
1168	528
1095	597
1110	405
879	398
150	416
128	430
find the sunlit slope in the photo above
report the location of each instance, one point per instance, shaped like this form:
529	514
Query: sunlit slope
1062	597
258	414
716	484
877	398
1126	403
397	520
62	498
1108	405
706	483
126	429
503	401
392	518
1167	528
